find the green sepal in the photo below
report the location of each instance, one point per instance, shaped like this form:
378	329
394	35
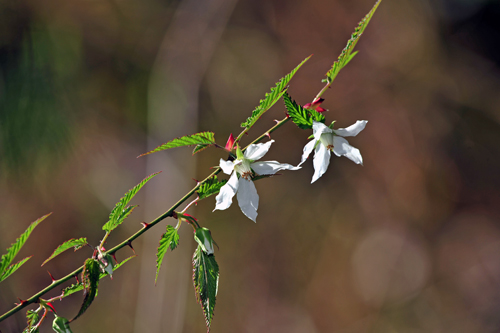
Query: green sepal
272	97
90	282
203	139
210	187
61	325
170	239
72	243
6	269
206	282
347	53
204	238
239	153
121	210
301	117
330	126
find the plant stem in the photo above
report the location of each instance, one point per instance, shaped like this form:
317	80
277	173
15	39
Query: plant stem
55	283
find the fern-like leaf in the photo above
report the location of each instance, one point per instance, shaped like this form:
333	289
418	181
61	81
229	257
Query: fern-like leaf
203	139
303	118
272	97
210	187
347	53
121	210
15	248
170	239
72	243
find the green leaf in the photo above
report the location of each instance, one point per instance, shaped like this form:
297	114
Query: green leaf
203	138
169	239
76	243
303	118
271	98
12	268
76	287
199	148
203	237
61	325
210	187
32	319
206	282
121	210
90	281
347	54
14	250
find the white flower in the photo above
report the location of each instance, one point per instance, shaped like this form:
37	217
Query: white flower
242	170
331	140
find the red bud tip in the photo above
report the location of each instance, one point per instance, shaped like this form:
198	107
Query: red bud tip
53	280
318	101
51	307
229	143
307	106
320	109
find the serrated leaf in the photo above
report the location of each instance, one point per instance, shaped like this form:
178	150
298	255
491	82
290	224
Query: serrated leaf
90	282
75	243
76	287
210	187
206	282
202	138
303	118
12	268
32	319
14	249
199	148
347	54
121	210
271	98
61	325
170	239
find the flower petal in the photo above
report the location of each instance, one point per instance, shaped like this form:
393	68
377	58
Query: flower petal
255	152
226	166
271	167
225	197
352	130
342	148
320	128
308	148
248	199
321	161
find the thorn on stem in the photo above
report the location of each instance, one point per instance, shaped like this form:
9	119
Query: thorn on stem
130	245
114	257
145	225
268	135
53	280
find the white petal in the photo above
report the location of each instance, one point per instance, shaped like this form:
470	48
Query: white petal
226	166
321	161
308	148
225	197
352	130
248	199
342	148
255	152
271	167
320	128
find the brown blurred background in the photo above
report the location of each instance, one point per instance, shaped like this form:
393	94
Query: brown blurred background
408	243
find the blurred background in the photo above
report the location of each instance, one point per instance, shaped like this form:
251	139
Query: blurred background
408	243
